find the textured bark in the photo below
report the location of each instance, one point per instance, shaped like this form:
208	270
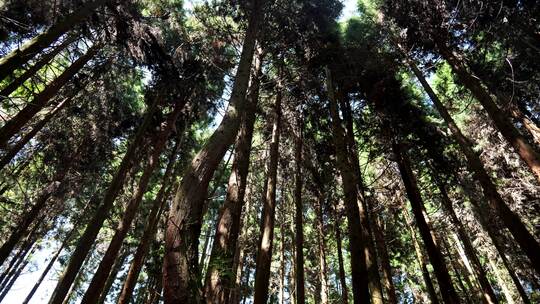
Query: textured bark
356	241
91	231
43	60
448	292
20	56
382	250
488	295
511	220
299	216
264	253
100	276
152	221
219	282
323	268
421	260
181	282
15	124
500	119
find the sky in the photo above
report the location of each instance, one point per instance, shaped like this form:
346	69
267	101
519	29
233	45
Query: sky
25	282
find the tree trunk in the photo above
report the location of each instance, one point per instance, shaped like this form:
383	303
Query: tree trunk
282	257
92	228
488	295
43	60
421	260
264	254
437	261
520	144
20	56
15	275
323	268
218	280
299	215
15	124
100	276
150	229
502	283
512	221
356	240
382	250
15	149
181	282
117	266
30	216
342	280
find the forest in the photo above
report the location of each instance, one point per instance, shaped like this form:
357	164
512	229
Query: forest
269	151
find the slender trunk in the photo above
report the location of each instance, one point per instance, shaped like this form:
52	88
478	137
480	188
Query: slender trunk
264	254
15	124
218	281
92	228
299	216
11	270
98	280
15	276
181	282
356	240
520	144
118	263
458	270
31	215
502	282
342	280
15	149
496	237
488	295
375	286
282	259
465	263
43	60
437	261
20	56
382	250
511	220
421	260
323	268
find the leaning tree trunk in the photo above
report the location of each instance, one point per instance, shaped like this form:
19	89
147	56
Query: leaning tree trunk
15	124
117	266
356	240
299	215
520	144
437	261
421	260
511	220
20	56
488	295
100	276
382	250
219	282
181	282
92	228
264	254
43	60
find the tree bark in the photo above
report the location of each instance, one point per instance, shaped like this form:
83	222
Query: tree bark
323	268
264	254
299	215
100	276
342	280
356	240
219	282
15	124
382	250
437	261
15	275
43	60
117	266
20	56
520	144
511	220
181	282
92	228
